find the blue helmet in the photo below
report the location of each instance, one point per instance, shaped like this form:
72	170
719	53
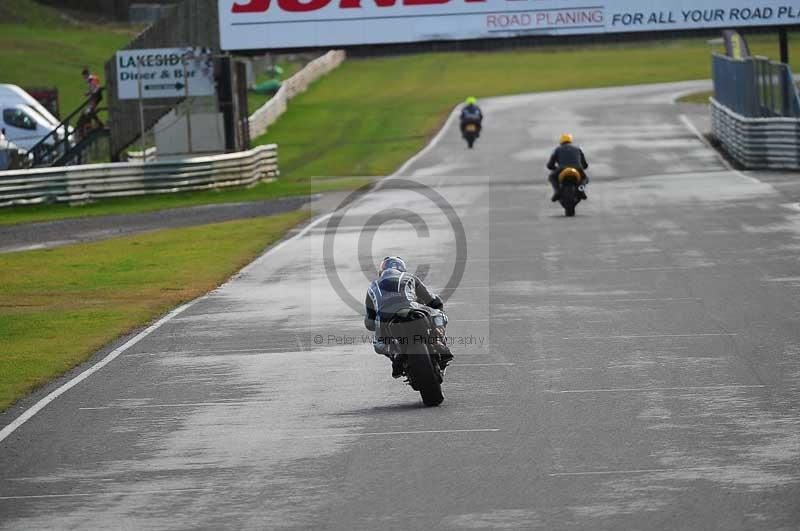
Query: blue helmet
393	262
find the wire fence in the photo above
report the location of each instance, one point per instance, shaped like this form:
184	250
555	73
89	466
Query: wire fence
755	87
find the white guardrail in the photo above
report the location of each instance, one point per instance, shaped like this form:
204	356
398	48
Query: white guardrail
265	116
94	181
765	143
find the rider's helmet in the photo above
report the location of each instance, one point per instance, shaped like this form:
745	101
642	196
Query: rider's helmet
392	262
566	138
471	101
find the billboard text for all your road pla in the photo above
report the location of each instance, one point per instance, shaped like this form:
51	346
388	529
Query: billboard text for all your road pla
272	24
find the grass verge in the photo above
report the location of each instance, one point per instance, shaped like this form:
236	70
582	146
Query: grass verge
40	47
697	97
59	306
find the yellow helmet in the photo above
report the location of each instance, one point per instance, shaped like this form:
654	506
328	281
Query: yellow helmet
566	138
471	101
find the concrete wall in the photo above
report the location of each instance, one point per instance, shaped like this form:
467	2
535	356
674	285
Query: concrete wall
262	118
207	134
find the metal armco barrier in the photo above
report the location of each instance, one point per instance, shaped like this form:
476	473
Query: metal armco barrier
265	116
757	143
96	181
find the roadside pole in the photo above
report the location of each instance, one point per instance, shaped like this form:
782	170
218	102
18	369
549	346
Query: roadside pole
188	106
141	112
786	83
783	42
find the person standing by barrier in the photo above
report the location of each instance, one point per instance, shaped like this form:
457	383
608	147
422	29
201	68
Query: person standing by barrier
95	94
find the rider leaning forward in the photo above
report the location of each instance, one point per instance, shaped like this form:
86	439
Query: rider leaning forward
395	290
567	155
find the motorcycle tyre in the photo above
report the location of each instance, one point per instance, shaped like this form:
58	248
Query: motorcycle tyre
425	377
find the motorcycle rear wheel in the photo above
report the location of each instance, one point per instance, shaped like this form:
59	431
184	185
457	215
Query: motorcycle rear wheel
425	378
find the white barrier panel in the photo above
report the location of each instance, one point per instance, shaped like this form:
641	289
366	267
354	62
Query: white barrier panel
757	143
275	24
96	181
277	105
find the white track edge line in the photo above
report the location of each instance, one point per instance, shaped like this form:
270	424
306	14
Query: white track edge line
275	248
41	404
425	150
421	153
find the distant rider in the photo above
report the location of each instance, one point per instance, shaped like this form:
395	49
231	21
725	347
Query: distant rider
567	155
471	114
395	290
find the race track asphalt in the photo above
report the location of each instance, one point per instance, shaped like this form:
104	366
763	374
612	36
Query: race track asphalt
634	367
50	234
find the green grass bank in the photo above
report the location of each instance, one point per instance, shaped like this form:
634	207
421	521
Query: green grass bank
59	306
42	47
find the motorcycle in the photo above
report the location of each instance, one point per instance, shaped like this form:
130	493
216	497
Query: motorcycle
569	188
471	132
416	337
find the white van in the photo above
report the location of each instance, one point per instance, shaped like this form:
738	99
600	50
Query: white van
25	120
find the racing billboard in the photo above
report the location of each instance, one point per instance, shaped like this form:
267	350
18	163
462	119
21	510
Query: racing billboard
273	24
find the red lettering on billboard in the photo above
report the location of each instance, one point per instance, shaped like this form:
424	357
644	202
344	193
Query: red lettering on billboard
296	6
299	6
253	6
345	4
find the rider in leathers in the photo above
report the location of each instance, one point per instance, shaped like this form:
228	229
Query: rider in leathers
567	155
396	290
471	113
